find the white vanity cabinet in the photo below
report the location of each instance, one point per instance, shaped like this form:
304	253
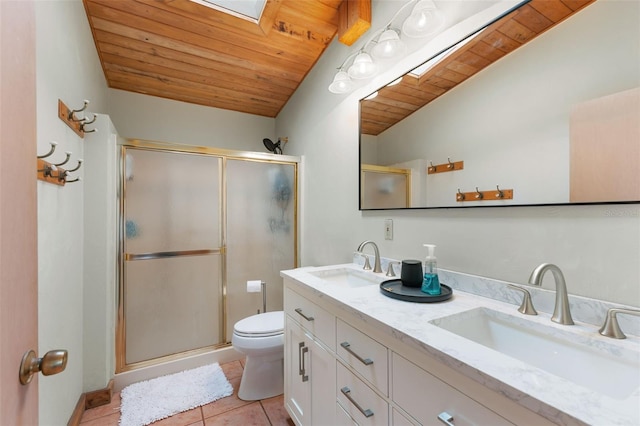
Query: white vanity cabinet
309	362
341	369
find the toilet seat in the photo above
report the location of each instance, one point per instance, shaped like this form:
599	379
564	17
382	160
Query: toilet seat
261	325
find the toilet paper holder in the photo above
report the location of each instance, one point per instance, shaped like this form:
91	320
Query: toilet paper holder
252	288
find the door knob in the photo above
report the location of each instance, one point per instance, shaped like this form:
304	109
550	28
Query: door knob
53	362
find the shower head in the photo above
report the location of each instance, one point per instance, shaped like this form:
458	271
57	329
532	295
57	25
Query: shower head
272	147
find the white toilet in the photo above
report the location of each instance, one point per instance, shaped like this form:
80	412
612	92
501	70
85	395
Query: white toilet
261	338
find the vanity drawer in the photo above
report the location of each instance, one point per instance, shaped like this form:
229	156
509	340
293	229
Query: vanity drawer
342	417
311	317
398	419
368	357
425	397
361	402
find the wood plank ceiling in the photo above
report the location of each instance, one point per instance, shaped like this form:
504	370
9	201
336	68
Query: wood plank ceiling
182	50
394	103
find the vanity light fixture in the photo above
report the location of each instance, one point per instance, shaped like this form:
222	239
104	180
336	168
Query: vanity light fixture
425	20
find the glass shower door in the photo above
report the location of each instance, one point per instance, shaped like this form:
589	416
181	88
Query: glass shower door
172	283
261	233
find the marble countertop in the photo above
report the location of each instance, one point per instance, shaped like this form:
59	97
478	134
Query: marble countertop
553	397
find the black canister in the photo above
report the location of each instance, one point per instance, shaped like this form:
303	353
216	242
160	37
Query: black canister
411	273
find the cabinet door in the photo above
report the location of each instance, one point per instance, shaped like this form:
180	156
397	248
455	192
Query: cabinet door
297	390
322	374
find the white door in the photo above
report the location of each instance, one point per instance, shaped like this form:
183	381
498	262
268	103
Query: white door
18	216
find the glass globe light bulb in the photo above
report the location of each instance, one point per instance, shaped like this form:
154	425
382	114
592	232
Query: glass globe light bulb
363	66
425	20
389	45
341	83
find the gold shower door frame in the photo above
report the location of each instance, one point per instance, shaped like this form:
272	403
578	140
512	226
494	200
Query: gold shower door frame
224	155
399	195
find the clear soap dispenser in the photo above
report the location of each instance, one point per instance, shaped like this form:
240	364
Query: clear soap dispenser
430	281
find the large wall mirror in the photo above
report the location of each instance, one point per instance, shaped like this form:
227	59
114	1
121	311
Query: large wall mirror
541	106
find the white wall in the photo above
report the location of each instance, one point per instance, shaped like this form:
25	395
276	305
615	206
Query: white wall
139	116
67	68
76	225
100	253
597	247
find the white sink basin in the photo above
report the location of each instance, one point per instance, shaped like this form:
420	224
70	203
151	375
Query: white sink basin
594	364
347	277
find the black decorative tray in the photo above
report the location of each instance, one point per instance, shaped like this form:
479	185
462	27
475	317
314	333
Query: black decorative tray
395	290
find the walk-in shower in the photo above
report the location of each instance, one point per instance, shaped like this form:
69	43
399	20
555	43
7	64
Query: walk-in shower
195	225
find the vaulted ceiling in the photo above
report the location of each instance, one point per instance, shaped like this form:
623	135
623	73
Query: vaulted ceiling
182	50
185	51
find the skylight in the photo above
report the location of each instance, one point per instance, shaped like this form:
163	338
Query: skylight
251	9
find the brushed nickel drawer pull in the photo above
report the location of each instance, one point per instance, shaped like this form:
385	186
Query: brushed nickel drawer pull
347	392
299	311
300	361
305	376
446	418
347	347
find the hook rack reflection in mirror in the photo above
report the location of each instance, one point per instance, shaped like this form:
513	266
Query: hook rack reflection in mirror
477	195
445	167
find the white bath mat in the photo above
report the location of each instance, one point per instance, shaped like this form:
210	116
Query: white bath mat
145	402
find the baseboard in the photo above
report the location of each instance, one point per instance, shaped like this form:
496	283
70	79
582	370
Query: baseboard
76	416
99	397
90	400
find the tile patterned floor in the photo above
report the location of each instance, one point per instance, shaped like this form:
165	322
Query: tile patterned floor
226	411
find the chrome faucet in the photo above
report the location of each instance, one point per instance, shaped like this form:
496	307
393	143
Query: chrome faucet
611	328
561	313
376	263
